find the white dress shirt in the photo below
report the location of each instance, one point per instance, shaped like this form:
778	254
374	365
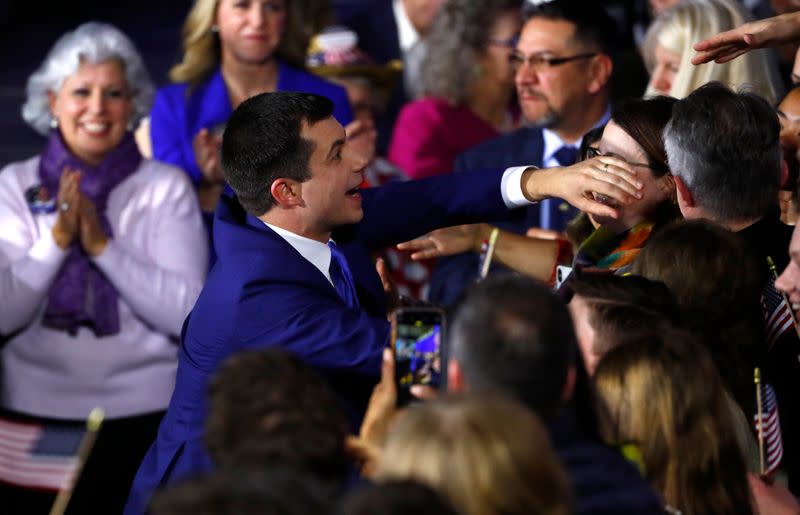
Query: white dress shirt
319	254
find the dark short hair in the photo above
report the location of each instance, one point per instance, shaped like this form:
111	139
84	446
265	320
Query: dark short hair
621	308
274	492
262	143
725	147
717	281
395	497
267	409
593	25
513	336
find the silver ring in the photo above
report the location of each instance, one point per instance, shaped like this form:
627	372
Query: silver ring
64	206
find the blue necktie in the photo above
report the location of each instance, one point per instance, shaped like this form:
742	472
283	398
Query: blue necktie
566	155
341	277
549	217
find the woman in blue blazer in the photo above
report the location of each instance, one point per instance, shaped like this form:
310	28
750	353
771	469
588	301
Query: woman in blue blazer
233	49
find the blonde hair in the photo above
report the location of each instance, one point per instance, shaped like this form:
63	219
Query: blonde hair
690	21
487	455
201	45
664	394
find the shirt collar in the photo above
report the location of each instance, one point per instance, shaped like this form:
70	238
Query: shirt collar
406	33
552	142
316	252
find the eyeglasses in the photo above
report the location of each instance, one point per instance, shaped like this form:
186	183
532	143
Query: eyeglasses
592	152
539	62
509	43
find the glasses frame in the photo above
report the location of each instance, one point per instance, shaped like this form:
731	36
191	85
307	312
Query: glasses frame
539	62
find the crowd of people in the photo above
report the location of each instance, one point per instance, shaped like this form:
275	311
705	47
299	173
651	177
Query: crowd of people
599	195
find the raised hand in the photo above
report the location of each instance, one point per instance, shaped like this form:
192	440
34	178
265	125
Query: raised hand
389	285
93	238
582	184
730	44
444	242
361	136
67	203
206	146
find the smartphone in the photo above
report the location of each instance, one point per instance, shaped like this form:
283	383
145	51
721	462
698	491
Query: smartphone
418	338
562	273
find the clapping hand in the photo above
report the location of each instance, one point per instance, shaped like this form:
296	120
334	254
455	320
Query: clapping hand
68	205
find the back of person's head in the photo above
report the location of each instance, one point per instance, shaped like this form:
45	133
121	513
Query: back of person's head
202	47
663	394
458	39
690	21
487	455
262	142
644	121
278	492
514	336
610	310
594	28
92	43
717	285
724	146
268	409
396	497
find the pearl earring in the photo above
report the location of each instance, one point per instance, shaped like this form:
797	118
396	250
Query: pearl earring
53	122
215	28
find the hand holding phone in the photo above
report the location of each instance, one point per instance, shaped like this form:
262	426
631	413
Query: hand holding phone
418	337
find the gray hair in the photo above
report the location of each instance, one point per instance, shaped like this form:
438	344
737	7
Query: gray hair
94	43
458	38
724	146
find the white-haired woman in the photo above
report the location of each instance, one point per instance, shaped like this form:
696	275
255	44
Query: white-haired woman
102	255
668	47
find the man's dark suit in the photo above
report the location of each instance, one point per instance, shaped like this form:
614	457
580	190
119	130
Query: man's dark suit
262	292
526	145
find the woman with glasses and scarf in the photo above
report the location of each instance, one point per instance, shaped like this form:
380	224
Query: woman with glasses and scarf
633	135
102	255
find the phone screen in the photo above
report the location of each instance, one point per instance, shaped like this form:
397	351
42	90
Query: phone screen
418	350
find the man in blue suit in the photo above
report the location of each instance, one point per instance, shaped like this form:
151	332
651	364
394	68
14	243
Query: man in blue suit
281	280
563	62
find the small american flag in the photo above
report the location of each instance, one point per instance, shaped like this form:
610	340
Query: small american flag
777	313
38	456
769	420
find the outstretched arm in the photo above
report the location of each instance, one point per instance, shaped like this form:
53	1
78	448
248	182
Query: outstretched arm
534	257
730	44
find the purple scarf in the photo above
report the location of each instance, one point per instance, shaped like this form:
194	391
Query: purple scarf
81	295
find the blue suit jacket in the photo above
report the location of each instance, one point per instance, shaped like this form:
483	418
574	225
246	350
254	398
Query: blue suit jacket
524	146
178	114
261	292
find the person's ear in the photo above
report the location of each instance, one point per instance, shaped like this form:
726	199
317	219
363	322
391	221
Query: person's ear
667	185
685	197
51	103
455	377
600	67
287	193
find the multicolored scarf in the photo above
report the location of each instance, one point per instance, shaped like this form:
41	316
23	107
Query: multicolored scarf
609	250
81	295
